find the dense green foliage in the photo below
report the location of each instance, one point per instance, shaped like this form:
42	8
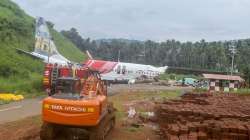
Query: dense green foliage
202	54
18	72
73	36
199	55
17	28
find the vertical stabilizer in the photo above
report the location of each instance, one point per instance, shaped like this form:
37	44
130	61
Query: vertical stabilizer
44	45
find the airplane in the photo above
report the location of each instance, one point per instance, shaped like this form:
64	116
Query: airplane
120	71
45	49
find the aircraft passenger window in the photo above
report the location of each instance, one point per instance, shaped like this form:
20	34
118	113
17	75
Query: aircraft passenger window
119	69
123	69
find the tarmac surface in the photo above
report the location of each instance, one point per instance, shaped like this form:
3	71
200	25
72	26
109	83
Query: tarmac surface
21	109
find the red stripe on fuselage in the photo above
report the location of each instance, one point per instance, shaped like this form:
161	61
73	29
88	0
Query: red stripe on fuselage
100	65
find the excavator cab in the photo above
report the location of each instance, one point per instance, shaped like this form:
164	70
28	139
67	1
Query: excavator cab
67	88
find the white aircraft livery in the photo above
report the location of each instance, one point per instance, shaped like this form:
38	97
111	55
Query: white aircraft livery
46	50
119	71
45	47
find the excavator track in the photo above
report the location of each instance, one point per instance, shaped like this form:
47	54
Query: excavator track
100	131
61	132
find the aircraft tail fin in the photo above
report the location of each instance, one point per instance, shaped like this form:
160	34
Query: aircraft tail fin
44	44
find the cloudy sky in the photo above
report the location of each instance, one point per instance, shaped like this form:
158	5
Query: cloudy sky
147	19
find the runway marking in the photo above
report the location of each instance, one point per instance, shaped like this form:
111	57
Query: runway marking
11	108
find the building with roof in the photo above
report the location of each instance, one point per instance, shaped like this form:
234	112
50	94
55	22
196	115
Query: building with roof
223	83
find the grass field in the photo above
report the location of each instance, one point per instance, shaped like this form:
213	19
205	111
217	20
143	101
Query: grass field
20	73
172	76
120	99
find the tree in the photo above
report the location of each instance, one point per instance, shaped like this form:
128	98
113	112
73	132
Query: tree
198	55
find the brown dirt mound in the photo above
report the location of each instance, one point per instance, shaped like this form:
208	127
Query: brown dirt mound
205	116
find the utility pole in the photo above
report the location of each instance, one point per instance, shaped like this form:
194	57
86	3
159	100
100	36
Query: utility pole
233	52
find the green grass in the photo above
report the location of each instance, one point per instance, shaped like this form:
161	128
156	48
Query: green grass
20	73
16	84
120	114
242	91
197	90
120	99
29	87
172	76
159	95
133	129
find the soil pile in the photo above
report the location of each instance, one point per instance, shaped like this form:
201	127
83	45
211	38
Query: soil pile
205	116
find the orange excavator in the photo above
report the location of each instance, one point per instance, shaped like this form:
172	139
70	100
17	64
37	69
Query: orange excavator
77	107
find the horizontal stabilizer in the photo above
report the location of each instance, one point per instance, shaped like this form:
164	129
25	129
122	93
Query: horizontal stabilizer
27	53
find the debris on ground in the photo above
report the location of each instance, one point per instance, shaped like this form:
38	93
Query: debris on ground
139	112
205	116
131	112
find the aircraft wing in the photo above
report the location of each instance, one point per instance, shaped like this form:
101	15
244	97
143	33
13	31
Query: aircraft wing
27	53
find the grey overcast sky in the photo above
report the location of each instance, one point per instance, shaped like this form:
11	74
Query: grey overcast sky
159	20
